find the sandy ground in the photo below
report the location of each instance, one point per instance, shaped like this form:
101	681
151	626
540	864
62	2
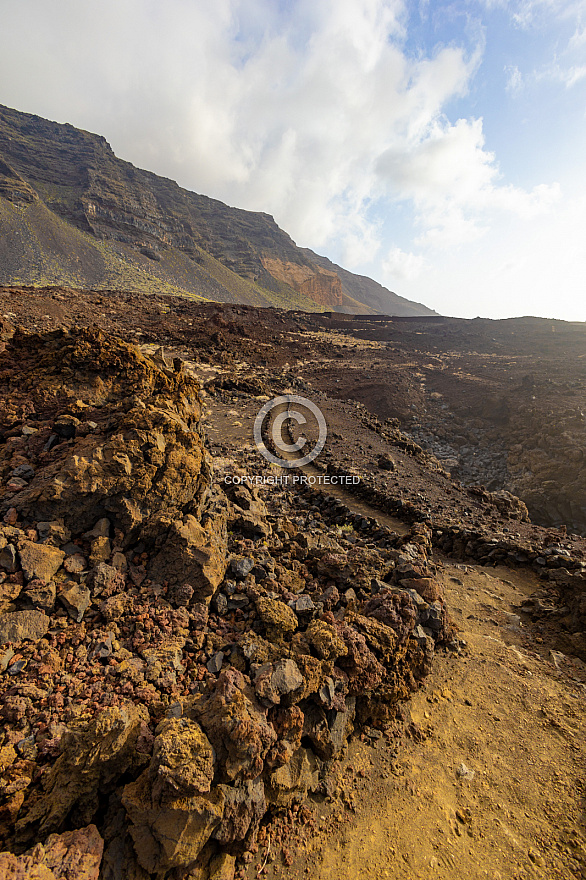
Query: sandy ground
489	785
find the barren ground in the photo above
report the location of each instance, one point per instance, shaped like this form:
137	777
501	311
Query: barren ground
508	710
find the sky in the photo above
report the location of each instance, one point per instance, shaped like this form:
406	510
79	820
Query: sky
438	147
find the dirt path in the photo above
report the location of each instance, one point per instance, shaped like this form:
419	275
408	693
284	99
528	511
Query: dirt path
502	711
491	785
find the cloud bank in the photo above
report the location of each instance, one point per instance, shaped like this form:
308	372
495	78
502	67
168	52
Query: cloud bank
325	114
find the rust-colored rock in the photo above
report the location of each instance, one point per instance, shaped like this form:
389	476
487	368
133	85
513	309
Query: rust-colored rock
73	855
195	554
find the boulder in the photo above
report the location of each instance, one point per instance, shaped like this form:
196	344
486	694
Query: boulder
183	760
236	726
326	640
244	807
222	867
275	681
73	855
94	755
40	560
169	835
294	778
280	621
20	626
145	457
195	554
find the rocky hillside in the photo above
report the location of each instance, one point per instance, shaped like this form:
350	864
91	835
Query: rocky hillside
177	658
185	660
72	213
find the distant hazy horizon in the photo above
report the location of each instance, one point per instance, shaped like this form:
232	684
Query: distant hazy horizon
436	147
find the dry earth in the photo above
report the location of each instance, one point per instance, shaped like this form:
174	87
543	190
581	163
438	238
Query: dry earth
504	711
508	712
484	778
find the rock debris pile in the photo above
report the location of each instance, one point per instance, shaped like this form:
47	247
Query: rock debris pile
178	657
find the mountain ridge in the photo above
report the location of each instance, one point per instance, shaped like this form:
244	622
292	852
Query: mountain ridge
128	227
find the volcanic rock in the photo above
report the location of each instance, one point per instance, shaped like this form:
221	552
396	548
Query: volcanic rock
73	855
40	560
94	755
172	834
195	554
20	626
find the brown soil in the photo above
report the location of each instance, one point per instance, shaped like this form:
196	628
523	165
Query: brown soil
509	706
507	713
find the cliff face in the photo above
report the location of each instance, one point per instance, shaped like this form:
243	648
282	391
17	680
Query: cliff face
321	286
145	231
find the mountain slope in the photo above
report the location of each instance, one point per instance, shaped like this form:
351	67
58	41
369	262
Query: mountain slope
71	212
364	289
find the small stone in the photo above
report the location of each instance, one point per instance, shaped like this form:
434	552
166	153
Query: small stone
238	601
75	564
24	471
385	463
100	551
41	594
260	573
27	748
536	858
5	657
420	637
65	427
8	560
120	562
28	431
71	549
220	603
51	442
15	484
286	678
53	532
181	595
103	649
106	577
100	530
222	867
17	667
215	664
76	601
377	586
241	567
464	772
302	605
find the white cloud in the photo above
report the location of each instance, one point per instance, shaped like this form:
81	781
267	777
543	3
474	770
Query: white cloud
567	76
403	266
515	80
454	183
320	113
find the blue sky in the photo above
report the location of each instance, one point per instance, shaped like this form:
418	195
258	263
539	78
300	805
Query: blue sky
435	146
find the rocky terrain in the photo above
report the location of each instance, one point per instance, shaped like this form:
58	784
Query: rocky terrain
72	213
199	676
